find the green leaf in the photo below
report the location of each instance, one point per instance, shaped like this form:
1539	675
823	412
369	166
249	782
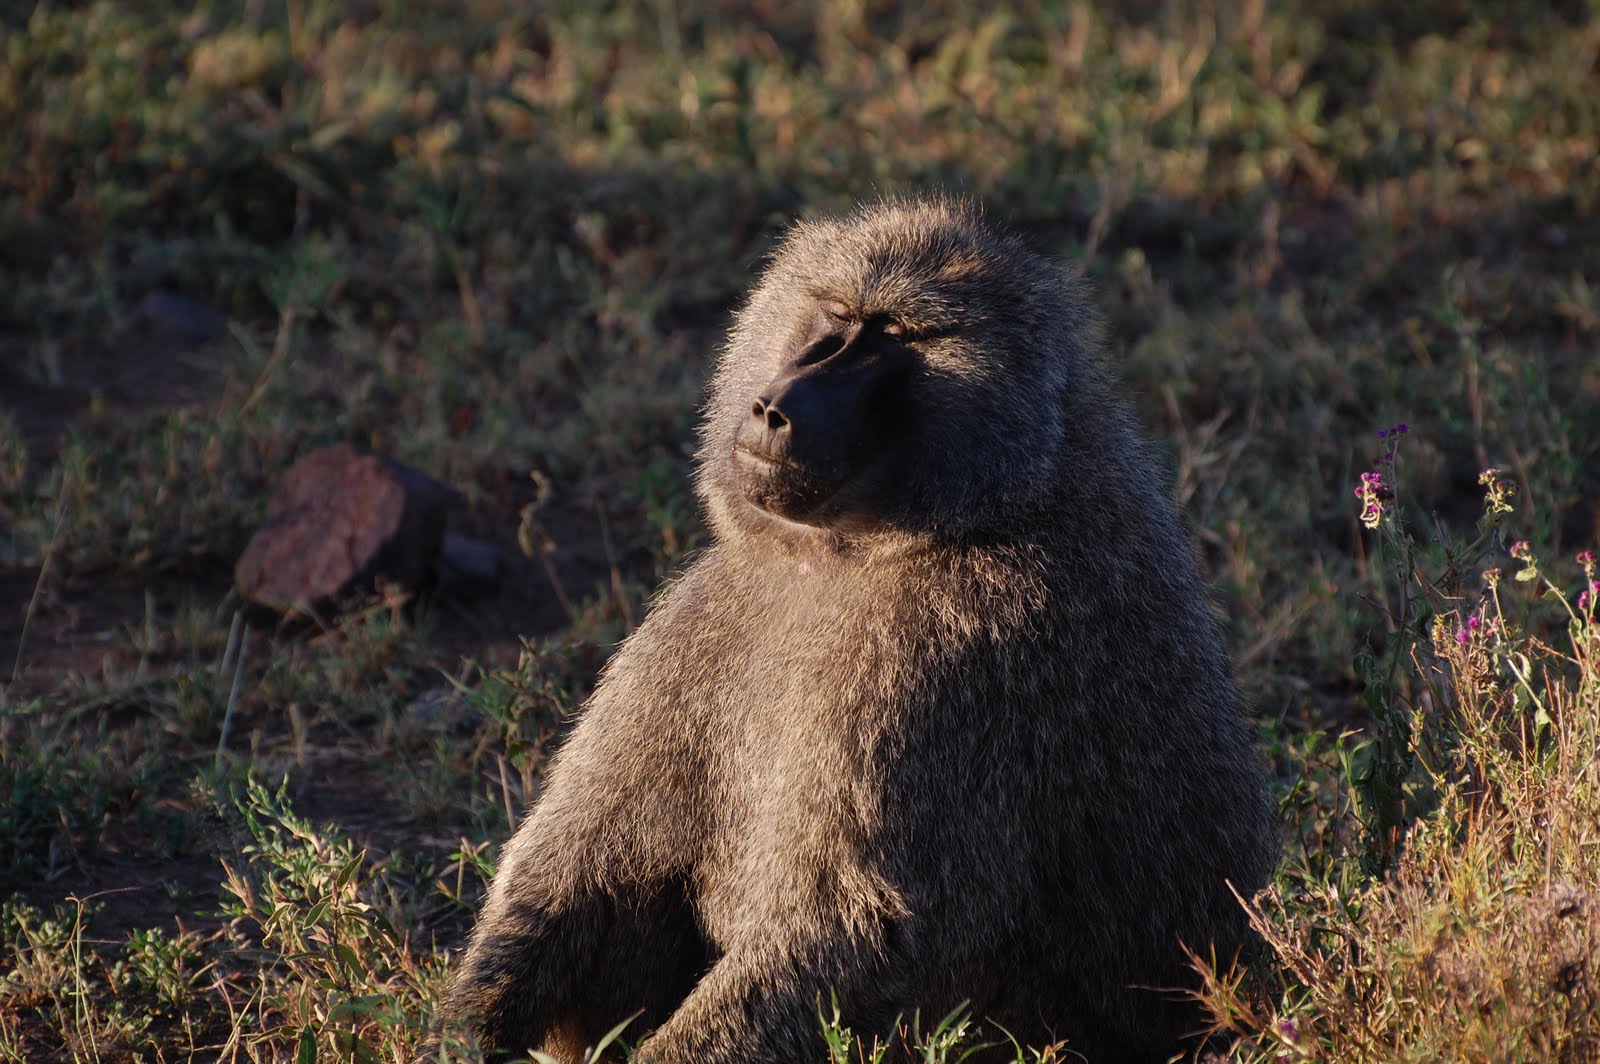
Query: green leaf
359	1007
347	957
355	1048
349	870
610	1037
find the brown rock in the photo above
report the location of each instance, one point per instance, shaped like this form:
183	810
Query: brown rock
341	518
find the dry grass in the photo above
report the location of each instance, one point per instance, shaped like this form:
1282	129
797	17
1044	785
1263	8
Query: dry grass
502	242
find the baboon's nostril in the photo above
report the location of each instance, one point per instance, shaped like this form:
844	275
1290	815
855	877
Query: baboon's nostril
764	410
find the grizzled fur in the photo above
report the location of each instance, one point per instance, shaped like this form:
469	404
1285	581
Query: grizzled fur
972	738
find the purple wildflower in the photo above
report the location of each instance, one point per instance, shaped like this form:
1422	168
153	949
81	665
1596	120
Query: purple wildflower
1372	491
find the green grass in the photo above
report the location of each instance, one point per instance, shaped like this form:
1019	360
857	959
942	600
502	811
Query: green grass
502	243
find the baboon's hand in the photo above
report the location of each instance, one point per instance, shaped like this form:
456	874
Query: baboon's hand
760	1007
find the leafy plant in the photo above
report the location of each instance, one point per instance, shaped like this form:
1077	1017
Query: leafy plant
335	976
1472	929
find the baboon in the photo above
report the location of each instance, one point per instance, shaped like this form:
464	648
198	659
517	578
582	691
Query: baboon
940	715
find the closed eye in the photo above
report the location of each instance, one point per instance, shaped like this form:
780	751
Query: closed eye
836	310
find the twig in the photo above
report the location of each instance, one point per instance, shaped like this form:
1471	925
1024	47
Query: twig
229	648
555	583
280	351
233	698
39	583
505	791
616	572
534	541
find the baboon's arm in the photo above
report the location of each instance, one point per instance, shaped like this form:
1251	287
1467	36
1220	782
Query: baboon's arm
760	1006
579	894
526	960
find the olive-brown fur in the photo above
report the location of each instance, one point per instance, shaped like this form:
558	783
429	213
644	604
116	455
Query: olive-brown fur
970	736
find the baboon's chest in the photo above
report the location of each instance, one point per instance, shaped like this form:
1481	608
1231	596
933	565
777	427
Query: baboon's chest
806	710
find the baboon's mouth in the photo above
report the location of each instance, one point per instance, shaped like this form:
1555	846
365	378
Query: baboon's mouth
759	458
782	486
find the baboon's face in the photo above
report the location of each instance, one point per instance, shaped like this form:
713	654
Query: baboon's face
830	418
903	368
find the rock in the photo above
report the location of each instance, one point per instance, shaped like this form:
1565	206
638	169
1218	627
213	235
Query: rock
441	706
184	319
341	518
468	566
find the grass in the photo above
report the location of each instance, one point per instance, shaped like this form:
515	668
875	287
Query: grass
1448	909
503	243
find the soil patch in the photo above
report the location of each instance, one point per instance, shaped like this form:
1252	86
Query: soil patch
50	386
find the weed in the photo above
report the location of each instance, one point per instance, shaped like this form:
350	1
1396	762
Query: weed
335	974
1469	931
